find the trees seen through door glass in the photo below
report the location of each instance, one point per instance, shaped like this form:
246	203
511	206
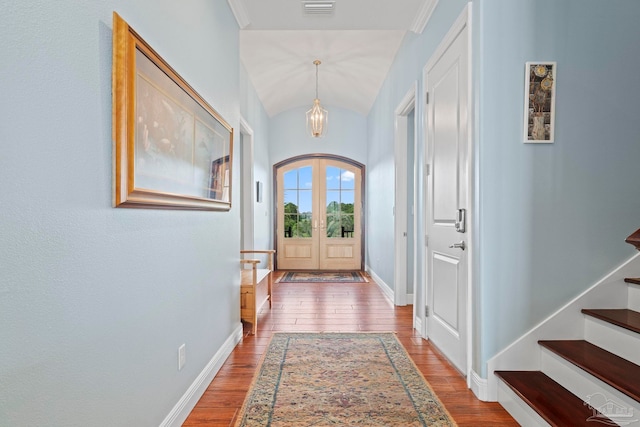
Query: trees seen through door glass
340	199
298	202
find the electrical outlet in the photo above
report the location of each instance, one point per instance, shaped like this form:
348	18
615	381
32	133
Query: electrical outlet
182	356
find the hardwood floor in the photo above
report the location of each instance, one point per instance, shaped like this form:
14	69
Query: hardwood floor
344	307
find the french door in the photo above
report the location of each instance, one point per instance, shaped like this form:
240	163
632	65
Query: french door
319	209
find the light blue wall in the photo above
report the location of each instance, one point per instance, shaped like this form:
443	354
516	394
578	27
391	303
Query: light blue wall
346	135
94	301
553	218
405	71
253	112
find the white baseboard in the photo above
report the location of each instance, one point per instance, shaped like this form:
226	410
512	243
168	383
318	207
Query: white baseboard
190	398
479	386
566	323
386	289
417	324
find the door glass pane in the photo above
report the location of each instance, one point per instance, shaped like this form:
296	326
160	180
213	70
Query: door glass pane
298	203
333	178
347	180
290	198
346	200
304	225
291	179
347	225
305	177
304	197
333	225
340	199
333	202
290	225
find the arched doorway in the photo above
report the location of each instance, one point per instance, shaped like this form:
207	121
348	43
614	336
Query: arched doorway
319	203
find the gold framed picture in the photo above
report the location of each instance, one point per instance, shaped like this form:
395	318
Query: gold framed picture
171	149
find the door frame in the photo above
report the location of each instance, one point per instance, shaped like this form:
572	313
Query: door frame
314	156
463	21
400	213
247	190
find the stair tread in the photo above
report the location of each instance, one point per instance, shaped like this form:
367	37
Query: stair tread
635	280
622	317
634	239
619	373
554	403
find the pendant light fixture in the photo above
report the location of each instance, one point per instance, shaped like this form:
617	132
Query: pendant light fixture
317	116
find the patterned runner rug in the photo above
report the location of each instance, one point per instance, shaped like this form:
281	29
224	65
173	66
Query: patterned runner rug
322	276
339	379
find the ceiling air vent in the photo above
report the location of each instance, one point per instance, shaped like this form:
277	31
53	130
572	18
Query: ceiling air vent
319	7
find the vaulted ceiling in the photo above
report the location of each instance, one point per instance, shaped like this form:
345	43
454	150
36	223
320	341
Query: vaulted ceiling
356	42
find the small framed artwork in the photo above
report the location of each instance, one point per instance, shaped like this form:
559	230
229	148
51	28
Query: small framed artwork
171	149
539	102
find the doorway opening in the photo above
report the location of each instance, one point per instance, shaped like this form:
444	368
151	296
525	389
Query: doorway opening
405	201
319	213
246	186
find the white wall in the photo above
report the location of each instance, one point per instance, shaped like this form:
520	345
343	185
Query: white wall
346	135
94	301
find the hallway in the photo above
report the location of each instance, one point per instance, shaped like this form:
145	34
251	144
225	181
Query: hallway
344	307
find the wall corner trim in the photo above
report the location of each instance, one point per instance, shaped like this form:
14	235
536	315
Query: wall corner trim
190	398
417	323
386	289
479	386
423	16
240	12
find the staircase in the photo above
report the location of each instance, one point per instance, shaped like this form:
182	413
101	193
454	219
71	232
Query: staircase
587	382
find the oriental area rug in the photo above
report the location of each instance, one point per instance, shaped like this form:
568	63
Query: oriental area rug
323	276
339	379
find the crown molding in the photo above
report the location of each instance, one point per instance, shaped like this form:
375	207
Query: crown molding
423	16
240	12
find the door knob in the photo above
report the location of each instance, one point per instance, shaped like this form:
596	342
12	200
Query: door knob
460	245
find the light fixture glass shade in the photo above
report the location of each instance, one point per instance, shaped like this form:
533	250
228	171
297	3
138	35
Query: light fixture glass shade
317	118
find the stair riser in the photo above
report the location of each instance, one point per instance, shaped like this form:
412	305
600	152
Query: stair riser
518	408
634	297
581	383
615	339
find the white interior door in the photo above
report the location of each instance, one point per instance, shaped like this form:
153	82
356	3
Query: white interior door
319	214
447	193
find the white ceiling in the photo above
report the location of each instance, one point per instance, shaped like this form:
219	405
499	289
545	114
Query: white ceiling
357	44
